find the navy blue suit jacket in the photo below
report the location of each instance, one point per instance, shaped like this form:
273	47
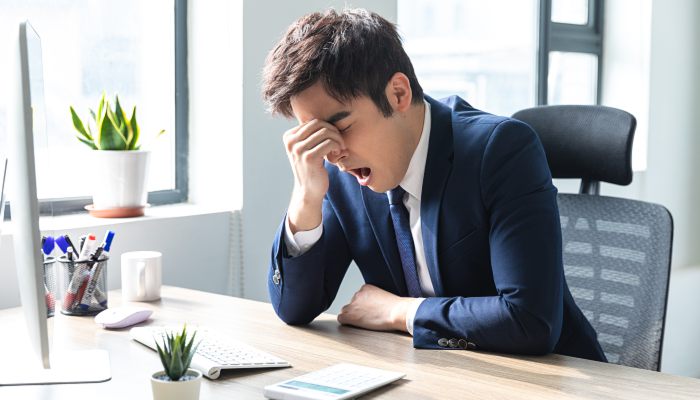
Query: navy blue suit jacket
492	242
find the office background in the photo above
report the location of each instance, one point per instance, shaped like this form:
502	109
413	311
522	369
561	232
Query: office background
239	179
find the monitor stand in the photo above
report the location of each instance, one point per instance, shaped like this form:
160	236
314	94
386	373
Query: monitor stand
83	366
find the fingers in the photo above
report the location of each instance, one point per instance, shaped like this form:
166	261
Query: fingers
311	132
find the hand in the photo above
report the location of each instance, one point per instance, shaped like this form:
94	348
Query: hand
376	309
307	145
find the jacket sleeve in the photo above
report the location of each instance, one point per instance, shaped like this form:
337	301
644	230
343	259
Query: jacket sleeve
526	259
302	287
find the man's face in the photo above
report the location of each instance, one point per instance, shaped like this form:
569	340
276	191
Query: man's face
379	149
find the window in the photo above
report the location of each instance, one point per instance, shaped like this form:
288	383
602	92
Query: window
505	55
571	46
131	48
473	49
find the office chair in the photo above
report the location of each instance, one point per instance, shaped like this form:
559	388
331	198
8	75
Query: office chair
617	252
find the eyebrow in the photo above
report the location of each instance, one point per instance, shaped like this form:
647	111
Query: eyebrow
337	117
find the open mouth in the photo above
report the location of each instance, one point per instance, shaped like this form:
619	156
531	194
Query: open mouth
362	175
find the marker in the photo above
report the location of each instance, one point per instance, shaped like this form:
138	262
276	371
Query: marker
87	247
47	245
62	244
95	274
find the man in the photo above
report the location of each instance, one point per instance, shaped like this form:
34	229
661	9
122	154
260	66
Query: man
449	212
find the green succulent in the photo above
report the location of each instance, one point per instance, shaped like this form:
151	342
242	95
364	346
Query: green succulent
113	130
176	353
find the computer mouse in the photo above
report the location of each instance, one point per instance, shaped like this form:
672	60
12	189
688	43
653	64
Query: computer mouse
121	317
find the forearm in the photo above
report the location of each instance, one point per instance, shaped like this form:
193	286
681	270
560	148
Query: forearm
489	323
306	285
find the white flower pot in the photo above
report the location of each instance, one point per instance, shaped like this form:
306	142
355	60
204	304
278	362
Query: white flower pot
176	390
119	180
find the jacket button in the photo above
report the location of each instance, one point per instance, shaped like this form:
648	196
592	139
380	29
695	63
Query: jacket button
442	342
276	277
462	344
453	343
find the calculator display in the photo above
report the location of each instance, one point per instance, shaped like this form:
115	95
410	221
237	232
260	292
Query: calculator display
313	386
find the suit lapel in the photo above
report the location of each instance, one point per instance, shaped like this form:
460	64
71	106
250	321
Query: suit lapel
377	207
438	166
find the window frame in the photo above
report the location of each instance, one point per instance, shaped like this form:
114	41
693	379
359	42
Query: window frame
571	38
69	205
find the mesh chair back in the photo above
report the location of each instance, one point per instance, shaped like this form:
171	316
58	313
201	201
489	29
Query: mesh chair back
617	257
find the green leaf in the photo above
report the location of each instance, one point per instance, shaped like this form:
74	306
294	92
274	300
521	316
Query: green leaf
92	113
134	142
128	129
78	124
90	144
100	112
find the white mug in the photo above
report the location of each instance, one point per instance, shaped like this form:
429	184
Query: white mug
142	273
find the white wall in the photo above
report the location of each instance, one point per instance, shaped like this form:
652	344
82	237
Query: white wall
267	180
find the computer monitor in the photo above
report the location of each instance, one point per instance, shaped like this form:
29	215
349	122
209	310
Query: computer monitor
40	366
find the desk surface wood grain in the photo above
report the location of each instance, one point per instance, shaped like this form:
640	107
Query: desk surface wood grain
430	374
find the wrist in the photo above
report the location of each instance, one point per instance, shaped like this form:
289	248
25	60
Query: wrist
399	312
304	213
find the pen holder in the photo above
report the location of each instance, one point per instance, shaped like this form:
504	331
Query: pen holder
84	286
50	285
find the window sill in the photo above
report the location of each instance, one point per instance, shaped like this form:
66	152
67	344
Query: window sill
84	220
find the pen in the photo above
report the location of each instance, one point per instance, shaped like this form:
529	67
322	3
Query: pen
82	243
70	243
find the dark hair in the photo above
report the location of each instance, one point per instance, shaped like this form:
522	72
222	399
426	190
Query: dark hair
352	53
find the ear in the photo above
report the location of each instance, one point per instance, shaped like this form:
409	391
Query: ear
398	92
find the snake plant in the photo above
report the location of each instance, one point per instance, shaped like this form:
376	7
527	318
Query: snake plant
111	129
176	353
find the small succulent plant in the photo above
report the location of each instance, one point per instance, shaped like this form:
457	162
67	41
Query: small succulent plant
176	353
110	129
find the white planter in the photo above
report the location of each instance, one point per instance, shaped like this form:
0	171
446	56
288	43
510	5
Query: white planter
119	180
176	390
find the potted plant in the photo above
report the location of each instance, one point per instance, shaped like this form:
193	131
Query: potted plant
176	381
119	186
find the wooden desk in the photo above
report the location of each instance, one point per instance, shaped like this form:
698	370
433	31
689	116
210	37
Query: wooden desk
431	374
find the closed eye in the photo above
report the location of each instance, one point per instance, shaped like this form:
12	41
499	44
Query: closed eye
345	129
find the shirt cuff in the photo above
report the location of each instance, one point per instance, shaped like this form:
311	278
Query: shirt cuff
300	242
411	314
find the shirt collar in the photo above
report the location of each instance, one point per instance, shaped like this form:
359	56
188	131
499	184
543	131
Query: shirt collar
412	182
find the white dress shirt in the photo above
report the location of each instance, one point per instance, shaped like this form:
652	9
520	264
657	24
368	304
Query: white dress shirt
412	183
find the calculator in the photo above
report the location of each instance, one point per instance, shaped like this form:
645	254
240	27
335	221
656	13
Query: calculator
340	381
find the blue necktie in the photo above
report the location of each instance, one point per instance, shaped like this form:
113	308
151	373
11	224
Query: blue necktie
404	240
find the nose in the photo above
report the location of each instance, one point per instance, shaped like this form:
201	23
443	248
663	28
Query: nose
336	156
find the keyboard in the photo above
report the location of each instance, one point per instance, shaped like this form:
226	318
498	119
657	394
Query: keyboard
215	352
340	381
